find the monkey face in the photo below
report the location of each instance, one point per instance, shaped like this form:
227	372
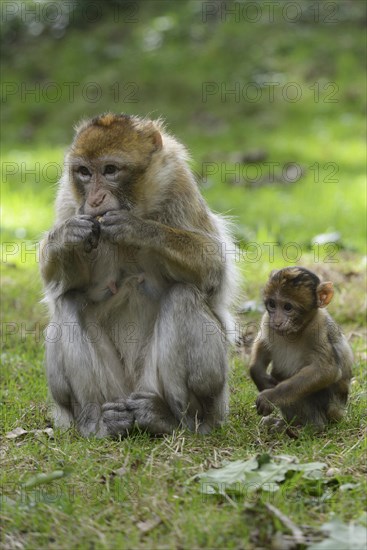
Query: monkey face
108	161
101	184
290	297
285	317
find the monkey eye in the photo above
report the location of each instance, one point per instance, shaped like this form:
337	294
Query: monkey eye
83	170
288	306
271	304
110	169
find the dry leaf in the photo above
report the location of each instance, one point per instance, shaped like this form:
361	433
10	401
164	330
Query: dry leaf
48	431
120	472
18	432
149	525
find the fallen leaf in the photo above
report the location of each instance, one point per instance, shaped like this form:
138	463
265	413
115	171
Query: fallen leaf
42	478
149	525
348	486
47	431
258	473
120	472
342	536
18	432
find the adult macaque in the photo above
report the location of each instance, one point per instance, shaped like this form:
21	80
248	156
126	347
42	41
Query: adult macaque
311	359
138	285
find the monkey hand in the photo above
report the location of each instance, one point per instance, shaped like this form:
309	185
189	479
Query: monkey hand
79	230
119	226
264	404
267	382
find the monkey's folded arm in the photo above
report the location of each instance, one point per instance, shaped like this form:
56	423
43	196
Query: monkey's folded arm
188	255
309	379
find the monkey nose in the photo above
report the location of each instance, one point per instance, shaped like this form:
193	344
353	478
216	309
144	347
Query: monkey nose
97	200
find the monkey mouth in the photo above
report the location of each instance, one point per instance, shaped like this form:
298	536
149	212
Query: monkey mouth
98	215
95	212
282	331
285	333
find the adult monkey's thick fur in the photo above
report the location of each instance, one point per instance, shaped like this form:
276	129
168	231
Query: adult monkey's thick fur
139	285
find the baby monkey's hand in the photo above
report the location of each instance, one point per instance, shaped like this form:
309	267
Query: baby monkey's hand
264	405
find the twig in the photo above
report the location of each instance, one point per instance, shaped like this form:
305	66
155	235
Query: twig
358	442
296	531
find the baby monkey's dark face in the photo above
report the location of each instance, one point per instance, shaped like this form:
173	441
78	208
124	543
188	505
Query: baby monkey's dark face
290	297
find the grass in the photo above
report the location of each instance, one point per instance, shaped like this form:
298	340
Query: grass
139	492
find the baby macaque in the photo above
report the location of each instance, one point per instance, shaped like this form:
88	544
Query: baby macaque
311	358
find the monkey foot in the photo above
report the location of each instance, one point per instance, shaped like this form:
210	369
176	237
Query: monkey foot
117	418
151	412
278	425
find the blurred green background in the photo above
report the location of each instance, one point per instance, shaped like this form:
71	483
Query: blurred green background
238	82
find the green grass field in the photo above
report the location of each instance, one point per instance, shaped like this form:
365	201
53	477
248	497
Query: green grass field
141	492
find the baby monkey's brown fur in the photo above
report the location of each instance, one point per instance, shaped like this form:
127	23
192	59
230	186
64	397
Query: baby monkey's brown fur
311	358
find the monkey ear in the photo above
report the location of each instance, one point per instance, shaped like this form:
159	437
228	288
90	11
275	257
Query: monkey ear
157	140
325	292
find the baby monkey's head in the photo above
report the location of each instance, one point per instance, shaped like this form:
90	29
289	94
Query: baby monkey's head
292	296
